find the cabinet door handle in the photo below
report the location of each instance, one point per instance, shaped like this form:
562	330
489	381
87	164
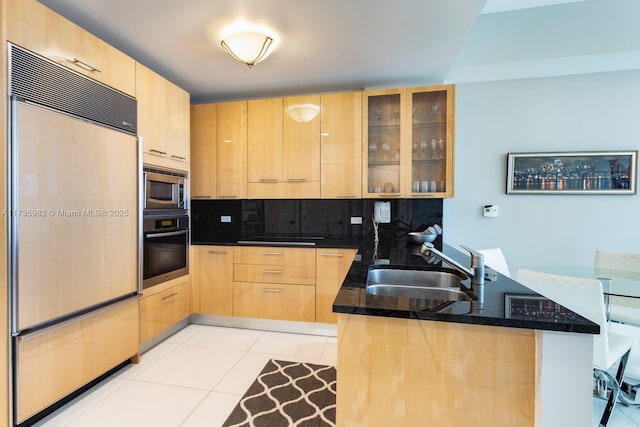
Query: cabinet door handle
178	157
272	271
217	252
84	65
346	196
296	179
266	180
172	294
391	194
202	197
333	255
273	290
153	150
228	197
273	253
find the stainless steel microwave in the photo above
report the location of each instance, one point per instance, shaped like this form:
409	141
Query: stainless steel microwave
164	190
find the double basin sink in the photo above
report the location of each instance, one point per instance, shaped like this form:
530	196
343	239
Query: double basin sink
433	283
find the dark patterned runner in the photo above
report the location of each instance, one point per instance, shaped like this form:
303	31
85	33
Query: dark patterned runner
288	394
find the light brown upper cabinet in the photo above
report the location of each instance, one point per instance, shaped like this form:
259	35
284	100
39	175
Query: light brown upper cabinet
203	147
231	150
408	142
284	147
163	120
341	146
41	30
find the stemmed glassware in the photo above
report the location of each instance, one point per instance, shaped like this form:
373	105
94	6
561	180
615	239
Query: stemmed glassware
423	147
386	147
372	150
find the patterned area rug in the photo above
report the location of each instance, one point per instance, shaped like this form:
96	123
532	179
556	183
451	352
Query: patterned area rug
288	394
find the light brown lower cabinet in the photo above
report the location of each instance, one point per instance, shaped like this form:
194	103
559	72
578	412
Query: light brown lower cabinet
332	266
274	301
54	363
214	277
163	309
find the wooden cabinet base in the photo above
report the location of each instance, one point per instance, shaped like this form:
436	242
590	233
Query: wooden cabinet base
53	364
402	372
274	301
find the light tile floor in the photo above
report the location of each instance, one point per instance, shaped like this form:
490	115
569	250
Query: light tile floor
197	376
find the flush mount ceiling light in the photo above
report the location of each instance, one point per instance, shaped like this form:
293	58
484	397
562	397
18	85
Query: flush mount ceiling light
247	45
303	113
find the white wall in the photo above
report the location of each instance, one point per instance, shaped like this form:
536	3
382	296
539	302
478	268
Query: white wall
575	113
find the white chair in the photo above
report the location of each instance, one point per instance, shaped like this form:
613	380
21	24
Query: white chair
623	310
585	297
495	259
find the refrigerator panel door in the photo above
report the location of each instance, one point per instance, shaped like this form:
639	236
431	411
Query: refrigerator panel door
76	213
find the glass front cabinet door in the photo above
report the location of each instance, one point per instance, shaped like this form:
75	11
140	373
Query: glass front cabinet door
408	150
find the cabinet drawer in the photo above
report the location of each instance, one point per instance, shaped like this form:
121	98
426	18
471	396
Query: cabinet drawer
162	310
270	301
292	274
268	255
57	362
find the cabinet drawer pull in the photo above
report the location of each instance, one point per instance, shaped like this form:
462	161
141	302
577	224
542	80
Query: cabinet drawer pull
346	196
153	150
272	271
178	157
84	65
391	194
273	253
202	197
229	197
266	180
172	294
215	252
296	179
273	290
333	255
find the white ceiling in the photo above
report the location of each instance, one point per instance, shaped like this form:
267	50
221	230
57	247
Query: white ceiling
333	45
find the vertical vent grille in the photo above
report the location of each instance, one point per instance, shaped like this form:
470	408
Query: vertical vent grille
44	82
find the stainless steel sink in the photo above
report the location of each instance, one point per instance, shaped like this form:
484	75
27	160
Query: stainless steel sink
408	282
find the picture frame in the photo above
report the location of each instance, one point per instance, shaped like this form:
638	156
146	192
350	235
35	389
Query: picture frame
583	172
533	306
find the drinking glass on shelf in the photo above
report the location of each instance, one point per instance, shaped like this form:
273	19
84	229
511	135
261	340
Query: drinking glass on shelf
386	147
396	115
414	149
434	148
372	150
440	149
379	114
435	110
397	155
423	147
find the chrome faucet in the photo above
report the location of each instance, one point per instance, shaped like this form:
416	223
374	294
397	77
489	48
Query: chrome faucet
475	273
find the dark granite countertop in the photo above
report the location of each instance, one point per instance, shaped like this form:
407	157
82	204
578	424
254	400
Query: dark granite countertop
527	311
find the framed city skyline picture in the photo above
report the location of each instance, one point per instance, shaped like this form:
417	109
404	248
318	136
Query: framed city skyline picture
588	172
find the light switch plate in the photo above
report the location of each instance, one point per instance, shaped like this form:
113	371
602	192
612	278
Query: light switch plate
225	218
356	220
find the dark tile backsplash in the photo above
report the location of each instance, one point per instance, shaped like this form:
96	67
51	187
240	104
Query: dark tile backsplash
305	218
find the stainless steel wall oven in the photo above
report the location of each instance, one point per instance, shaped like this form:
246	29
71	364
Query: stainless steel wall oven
166	248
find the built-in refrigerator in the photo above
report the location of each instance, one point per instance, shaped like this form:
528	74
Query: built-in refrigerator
74	228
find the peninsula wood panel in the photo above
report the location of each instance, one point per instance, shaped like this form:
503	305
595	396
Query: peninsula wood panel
274	301
231	150
341	145
203	147
69	356
332	266
216	280
414	372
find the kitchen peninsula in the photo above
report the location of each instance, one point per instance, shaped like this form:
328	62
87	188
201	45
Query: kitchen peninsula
404	361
